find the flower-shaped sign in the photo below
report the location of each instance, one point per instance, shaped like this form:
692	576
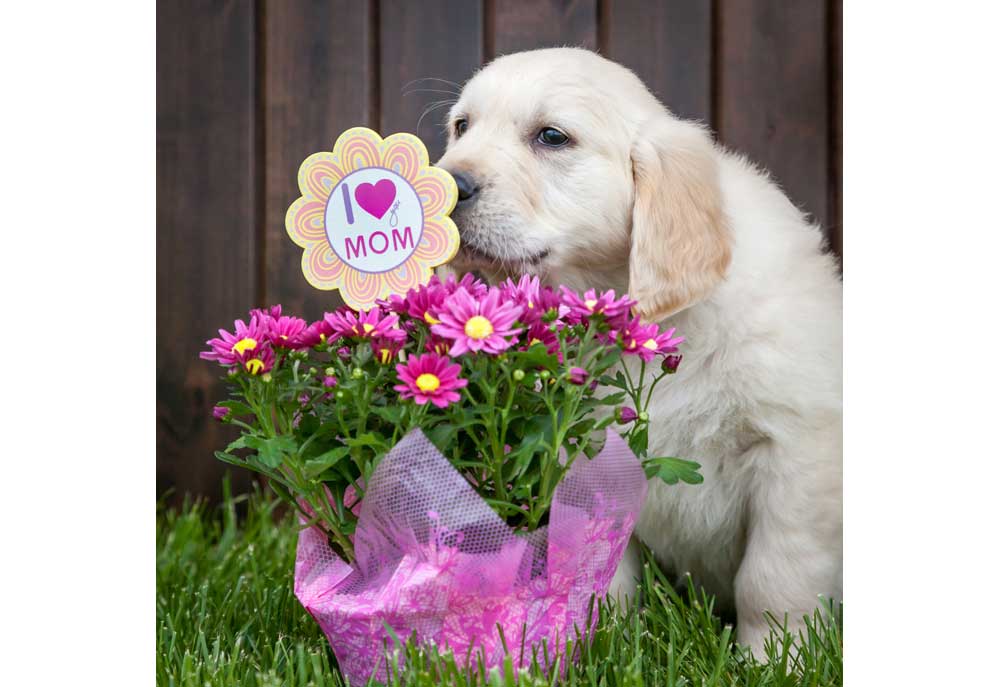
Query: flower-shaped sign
373	217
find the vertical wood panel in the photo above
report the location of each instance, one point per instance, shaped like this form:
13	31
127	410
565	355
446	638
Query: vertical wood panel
529	24
669	46
206	252
773	93
317	76
442	39
836	229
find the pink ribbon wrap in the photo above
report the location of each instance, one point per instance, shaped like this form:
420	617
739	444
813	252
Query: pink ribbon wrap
435	559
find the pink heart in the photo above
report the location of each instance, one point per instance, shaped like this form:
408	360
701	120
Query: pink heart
375	199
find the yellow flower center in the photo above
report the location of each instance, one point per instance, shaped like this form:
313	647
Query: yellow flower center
254	365
428	382
430	319
368	328
650	344
590	303
284	336
385	356
478	327
531	304
533	342
245	344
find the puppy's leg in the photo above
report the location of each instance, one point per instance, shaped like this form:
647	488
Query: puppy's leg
793	552
625	583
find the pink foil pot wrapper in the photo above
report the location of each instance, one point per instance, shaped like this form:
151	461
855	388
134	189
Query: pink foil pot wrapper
433	558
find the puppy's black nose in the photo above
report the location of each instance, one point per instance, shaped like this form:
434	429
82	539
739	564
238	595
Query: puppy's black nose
467	186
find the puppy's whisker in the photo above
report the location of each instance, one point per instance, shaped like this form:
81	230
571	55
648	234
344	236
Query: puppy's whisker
429	90
432	78
433	106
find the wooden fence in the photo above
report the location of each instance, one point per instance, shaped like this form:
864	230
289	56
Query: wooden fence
247	89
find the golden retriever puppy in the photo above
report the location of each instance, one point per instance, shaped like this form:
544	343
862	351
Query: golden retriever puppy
569	168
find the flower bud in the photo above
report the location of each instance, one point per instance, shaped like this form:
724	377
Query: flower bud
329	381
220	413
266	377
625	415
577	375
357	373
670	363
312	370
644	416
544	374
329	372
340	395
518	375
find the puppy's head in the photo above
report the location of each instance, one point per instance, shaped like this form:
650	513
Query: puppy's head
566	164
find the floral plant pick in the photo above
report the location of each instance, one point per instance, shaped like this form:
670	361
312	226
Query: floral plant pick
372	219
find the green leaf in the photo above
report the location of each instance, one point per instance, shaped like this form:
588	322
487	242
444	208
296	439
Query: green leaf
366	439
536	356
241	442
441	436
673	470
229	458
237	407
272	451
391	413
315	467
612	399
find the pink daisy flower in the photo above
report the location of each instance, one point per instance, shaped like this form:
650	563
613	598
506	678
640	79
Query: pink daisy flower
257	361
368	324
228	348
385	350
476	288
264	314
285	331
541	333
430	377
593	304
423	303
535	299
647	341
473	325
317	333
437	344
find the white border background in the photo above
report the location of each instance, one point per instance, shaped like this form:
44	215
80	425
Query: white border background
921	331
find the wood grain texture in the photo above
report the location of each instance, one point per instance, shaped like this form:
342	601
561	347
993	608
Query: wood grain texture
206	257
318	71
529	24
669	46
835	231
436	39
773	95
246	89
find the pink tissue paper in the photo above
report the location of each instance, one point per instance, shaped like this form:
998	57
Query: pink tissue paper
435	559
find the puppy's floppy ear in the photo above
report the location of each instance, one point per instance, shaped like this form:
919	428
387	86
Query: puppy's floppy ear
680	239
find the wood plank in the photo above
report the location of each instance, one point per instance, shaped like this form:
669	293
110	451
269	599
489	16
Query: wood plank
439	39
773	95
206	257
835	232
318	74
528	24
669	46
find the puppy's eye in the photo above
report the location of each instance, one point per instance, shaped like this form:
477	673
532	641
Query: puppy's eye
461	126
552	137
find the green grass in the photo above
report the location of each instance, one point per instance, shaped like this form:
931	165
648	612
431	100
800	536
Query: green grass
226	615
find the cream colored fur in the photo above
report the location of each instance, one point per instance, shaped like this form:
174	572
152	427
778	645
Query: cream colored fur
645	203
